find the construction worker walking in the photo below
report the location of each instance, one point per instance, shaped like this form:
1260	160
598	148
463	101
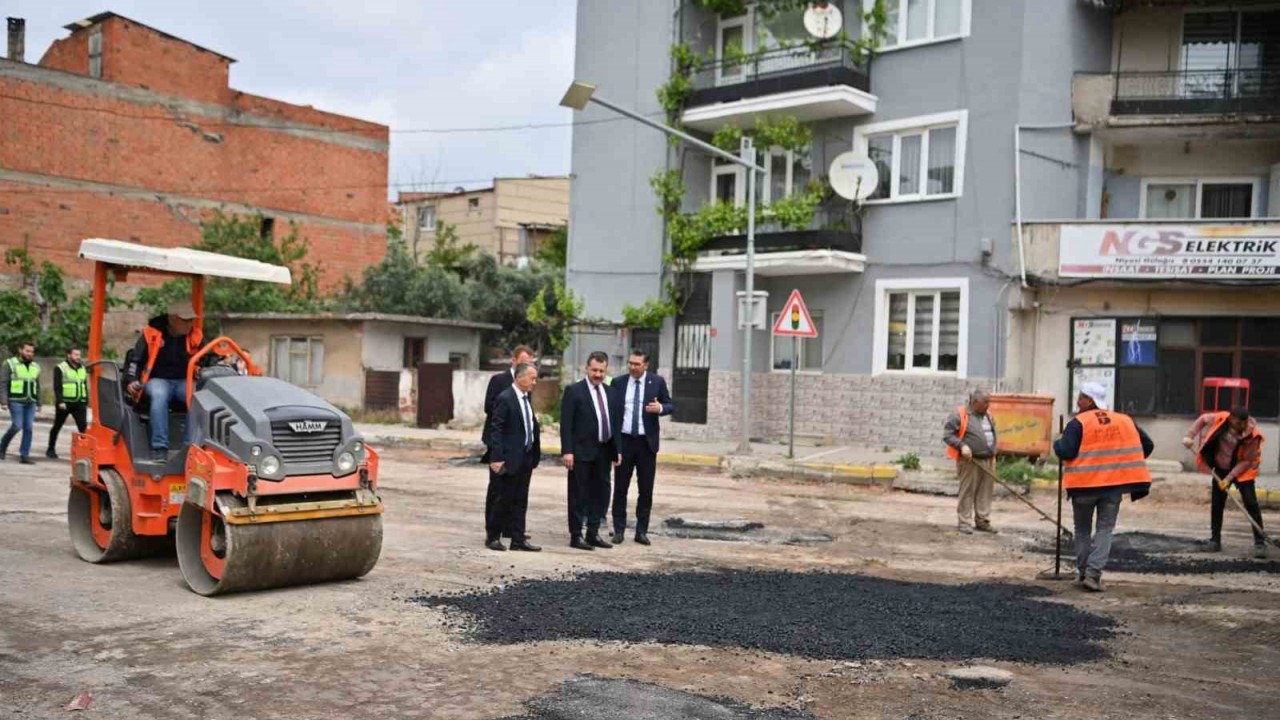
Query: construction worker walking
1229	446
20	393
1104	456
71	397
971	441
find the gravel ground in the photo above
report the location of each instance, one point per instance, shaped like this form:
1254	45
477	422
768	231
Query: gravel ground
1150	553
814	615
591	697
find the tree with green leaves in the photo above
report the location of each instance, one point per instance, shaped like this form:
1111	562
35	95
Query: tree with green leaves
41	311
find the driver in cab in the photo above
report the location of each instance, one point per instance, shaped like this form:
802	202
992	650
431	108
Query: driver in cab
157	370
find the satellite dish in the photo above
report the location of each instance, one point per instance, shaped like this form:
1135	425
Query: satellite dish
823	20
853	176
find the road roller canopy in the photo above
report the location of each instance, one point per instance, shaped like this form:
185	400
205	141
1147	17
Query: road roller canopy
181	261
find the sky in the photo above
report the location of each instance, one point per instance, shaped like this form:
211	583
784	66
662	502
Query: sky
413	65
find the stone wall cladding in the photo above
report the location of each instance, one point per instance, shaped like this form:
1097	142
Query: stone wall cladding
902	412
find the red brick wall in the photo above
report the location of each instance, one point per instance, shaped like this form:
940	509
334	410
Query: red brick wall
52	224
70	54
95	131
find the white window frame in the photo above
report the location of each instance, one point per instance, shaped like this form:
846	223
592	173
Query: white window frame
739	173
748	45
773	342
880	343
435	215
1199	183
912	126
739	184
901	43
311	341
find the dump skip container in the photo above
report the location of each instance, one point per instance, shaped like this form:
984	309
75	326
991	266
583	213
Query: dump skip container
1024	423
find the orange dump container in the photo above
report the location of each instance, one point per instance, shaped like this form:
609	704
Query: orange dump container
1024	423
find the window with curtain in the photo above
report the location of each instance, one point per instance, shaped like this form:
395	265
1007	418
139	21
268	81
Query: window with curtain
1198	199
1230	53
915	163
918	21
924	331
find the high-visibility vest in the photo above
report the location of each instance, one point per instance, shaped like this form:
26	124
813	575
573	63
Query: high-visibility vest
22	380
1110	453
1254	458
75	383
155	341
963	411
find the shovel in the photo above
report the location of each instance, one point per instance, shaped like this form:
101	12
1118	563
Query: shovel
1226	488
1015	493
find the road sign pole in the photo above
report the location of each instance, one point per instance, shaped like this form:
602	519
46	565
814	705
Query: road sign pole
791	433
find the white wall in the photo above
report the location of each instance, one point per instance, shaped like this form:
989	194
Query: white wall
469	387
384	343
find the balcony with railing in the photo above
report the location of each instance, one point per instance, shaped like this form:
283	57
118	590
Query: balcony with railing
831	244
1199	92
808	84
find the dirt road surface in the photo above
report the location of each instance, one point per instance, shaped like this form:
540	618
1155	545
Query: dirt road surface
1189	646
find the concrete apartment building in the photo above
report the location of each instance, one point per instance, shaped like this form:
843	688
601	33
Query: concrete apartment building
507	220
1013	139
124	131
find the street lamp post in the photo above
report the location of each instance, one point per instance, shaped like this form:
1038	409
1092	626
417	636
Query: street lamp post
577	98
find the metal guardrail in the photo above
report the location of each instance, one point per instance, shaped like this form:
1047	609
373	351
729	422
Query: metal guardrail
1197	91
778	70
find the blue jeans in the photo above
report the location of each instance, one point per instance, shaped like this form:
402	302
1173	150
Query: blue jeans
23	415
160	392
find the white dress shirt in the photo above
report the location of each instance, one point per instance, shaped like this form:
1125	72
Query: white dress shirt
630	406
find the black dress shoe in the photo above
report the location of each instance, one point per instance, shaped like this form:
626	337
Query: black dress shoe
495	544
616	539
597	541
52	454
579	544
526	546
642	538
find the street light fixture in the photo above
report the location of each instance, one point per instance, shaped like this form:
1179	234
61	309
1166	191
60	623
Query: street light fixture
579	95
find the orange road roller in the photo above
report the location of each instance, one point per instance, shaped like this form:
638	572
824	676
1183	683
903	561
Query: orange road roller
274	487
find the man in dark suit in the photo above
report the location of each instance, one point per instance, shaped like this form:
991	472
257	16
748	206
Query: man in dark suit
498	383
589	448
642	398
515	448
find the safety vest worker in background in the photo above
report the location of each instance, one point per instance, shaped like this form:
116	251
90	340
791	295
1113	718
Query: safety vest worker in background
1104	457
970	436
71	396
1230	447
20	392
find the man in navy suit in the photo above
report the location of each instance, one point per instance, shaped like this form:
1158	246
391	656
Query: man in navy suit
499	382
643	398
588	443
515	448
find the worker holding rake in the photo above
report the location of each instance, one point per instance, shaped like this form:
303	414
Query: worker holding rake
1229	446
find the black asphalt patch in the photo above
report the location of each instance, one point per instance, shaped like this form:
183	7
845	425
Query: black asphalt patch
591	697
816	615
1154	554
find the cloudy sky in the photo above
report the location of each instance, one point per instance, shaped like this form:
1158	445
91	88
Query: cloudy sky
414	65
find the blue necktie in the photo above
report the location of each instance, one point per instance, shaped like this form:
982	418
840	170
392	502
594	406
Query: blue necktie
635	409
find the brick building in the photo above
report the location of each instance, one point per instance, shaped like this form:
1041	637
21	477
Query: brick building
124	131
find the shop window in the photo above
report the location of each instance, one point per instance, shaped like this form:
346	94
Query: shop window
1166	377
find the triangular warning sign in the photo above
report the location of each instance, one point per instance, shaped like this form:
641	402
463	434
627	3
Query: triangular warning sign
794	320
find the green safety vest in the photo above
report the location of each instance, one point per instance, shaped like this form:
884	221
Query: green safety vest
22	380
75	383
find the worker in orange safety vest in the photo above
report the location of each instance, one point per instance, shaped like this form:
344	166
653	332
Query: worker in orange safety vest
1104	457
1229	446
